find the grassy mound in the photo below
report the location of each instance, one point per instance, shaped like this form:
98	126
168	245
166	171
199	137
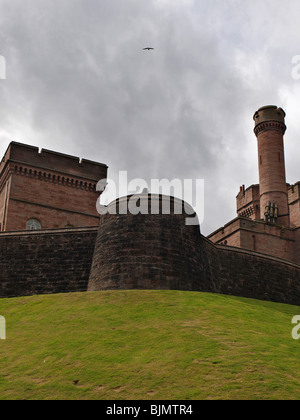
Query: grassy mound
148	345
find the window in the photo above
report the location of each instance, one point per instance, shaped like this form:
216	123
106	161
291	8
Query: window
33	224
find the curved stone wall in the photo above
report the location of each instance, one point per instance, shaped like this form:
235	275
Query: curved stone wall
156	251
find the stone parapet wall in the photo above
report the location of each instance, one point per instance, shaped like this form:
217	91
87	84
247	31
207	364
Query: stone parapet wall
42	262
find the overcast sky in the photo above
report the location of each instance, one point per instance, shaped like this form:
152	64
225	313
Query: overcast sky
78	82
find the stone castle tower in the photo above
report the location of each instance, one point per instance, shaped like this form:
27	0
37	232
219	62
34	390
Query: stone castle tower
268	218
47	190
269	130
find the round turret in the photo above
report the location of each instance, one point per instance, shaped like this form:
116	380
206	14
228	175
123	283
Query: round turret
269	130
269	117
153	248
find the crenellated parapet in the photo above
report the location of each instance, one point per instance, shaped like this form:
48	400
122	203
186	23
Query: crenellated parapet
25	155
54	189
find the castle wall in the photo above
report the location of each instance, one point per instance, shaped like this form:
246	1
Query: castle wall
153	251
269	239
162	252
50	160
42	262
46	190
229	234
294	204
49	217
56	189
140	252
248	202
253	275
54	204
2	205
297	245
255	235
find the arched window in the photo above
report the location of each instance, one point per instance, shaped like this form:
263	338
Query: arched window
33	224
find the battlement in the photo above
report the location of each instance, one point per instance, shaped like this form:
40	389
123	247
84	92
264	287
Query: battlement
269	113
247	202
53	189
49	160
269	117
294	192
294	204
256	235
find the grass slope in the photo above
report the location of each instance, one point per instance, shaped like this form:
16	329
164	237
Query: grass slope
148	345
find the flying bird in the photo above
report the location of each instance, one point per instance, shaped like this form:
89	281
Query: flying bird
148	48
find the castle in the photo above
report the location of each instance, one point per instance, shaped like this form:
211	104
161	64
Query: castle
52	240
268	213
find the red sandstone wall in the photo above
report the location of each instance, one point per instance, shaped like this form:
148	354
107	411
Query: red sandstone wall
155	251
56	189
268	240
247	202
50	218
295	214
229	233
58	195
56	206
251	275
297	246
294	204
45	262
151	257
54	161
257	236
272	181
2	205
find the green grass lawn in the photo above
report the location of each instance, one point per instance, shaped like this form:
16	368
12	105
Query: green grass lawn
148	345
